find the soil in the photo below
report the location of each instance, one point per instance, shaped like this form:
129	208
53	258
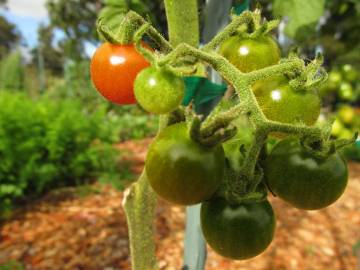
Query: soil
68	231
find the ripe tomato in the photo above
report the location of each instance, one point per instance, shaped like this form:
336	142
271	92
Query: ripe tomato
239	231
158	90
303	180
114	69
182	171
281	103
249	54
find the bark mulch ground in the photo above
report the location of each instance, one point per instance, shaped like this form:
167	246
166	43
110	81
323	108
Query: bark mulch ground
65	231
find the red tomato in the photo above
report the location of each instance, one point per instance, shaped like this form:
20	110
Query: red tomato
114	69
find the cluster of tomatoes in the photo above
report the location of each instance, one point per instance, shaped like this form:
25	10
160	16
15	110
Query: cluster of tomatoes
184	172
343	83
123	76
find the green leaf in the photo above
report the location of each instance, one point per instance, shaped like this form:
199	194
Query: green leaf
303	16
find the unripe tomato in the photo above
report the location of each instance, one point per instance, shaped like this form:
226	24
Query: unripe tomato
240	231
346	134
114	69
346	91
182	171
350	73
335	77
347	114
249	54
337	128
279	102
159	91
302	179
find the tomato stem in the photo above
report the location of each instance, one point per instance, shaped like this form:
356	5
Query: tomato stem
140	201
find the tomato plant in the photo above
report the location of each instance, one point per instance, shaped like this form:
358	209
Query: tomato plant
182	171
302	179
114	69
159	91
249	54
280	102
186	164
239	231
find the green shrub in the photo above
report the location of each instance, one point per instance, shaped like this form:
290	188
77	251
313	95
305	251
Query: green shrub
12	265
12	72
46	144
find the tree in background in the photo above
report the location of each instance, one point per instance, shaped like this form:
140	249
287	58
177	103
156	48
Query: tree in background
9	35
340	35
52	54
76	18
331	24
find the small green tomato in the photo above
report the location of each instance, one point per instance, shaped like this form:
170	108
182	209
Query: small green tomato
158	91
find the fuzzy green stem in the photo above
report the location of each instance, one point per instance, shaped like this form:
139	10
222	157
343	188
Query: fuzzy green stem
126	30
245	18
130	25
183	21
139	47
221	120
139	204
248	168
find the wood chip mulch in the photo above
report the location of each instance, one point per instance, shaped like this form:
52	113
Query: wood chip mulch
64	231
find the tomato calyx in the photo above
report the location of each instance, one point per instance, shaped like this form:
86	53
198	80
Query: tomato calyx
264	29
311	77
323	148
217	136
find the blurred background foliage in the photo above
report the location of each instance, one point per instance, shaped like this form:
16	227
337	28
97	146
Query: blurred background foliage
55	130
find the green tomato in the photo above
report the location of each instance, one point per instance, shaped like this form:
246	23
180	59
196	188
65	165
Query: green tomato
346	134
350	73
237	232
303	180
347	114
279	102
182	171
335	77
346	91
249	54
158	91
337	128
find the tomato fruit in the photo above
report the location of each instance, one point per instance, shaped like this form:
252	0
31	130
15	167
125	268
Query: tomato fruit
182	171
346	91
279	102
240	231
347	114
249	54
159	91
350	73
113	71
303	180
337	128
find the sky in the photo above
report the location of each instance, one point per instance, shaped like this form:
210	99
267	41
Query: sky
27	15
